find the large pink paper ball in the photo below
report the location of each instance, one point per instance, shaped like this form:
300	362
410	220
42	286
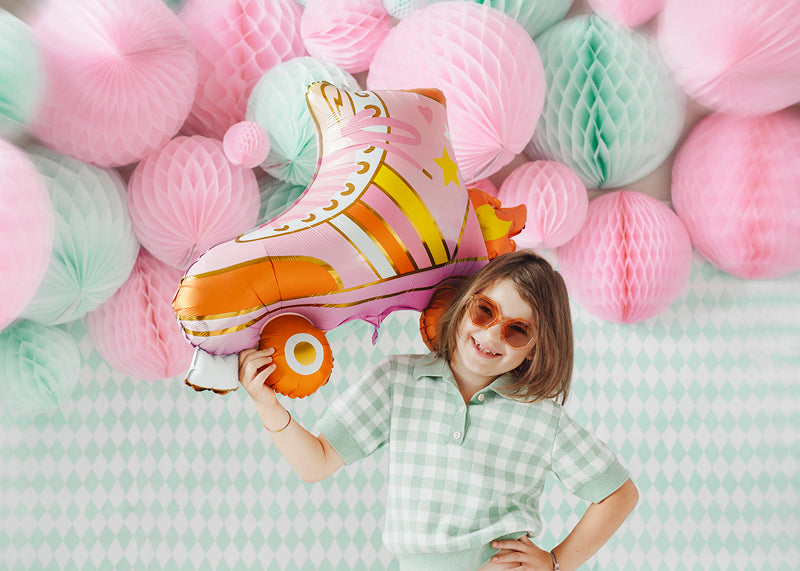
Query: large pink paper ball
556	201
345	32
26	231
121	77
188	197
627	12
236	42
738	57
630	260
135	330
488	68
736	186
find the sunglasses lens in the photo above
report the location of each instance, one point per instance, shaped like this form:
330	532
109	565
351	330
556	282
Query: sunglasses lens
516	333
482	312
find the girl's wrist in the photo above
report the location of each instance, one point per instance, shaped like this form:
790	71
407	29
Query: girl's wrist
555	563
274	417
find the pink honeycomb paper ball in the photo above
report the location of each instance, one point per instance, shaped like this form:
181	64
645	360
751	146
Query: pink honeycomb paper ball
486	185
189	197
26	231
135	329
737	57
627	12
488	68
236	42
121	77
247	144
630	260
555	198
736	186
345	32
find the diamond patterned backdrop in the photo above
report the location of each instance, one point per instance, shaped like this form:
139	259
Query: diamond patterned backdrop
702	403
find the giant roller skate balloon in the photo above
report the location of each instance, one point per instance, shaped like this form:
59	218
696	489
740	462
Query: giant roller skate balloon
386	220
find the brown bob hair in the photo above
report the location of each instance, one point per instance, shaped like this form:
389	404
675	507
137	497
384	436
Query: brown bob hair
546	373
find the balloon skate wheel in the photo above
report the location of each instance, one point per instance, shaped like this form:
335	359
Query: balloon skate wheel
303	359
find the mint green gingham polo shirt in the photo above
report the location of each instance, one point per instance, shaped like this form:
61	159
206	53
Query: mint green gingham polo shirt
461	476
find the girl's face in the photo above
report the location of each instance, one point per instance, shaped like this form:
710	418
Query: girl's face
482	352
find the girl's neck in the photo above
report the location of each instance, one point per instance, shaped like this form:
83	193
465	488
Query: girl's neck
468	384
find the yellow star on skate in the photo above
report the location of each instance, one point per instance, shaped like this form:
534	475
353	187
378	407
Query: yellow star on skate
449	168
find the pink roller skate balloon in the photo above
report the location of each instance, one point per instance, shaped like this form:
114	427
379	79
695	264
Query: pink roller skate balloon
121	77
386	220
738	57
630	260
556	200
736	187
236	42
26	231
135	330
488	68
188	197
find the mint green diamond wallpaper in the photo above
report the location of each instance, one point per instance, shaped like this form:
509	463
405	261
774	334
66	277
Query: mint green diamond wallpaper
702	403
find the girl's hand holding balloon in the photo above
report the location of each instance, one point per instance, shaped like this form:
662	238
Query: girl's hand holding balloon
255	367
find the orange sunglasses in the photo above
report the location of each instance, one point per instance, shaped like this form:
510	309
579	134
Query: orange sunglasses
484	313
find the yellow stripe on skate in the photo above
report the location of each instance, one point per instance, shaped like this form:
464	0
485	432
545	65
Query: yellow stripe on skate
407	199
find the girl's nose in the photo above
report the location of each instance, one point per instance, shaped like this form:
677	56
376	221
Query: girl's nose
496	332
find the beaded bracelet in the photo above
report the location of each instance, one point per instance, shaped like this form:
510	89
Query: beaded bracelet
555	563
284	428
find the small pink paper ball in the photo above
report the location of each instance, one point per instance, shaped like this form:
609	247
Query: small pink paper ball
630	260
135	329
120	78
486	185
188	197
345	32
237	41
737	57
26	231
555	198
627	12
488	68
736	187
247	144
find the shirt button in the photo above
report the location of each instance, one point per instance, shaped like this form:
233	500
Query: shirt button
457	435
463	408
481	397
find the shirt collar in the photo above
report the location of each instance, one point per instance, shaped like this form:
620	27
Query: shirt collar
432	366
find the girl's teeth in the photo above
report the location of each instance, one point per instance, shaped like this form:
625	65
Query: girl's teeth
478	345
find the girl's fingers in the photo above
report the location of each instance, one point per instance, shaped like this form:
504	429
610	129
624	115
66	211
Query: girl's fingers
261	378
509	545
524	543
507	556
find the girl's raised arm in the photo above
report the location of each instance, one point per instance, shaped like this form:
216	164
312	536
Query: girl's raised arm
312	457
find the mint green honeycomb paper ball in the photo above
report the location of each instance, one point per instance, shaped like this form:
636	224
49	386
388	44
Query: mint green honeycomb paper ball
39	367
21	76
612	112
276	197
535	15
94	247
278	104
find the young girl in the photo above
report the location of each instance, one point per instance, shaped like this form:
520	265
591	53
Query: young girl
472	430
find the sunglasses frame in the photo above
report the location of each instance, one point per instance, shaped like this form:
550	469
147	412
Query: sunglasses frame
498	317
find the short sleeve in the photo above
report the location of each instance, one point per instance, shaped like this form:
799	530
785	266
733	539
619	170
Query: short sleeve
357	423
585	465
